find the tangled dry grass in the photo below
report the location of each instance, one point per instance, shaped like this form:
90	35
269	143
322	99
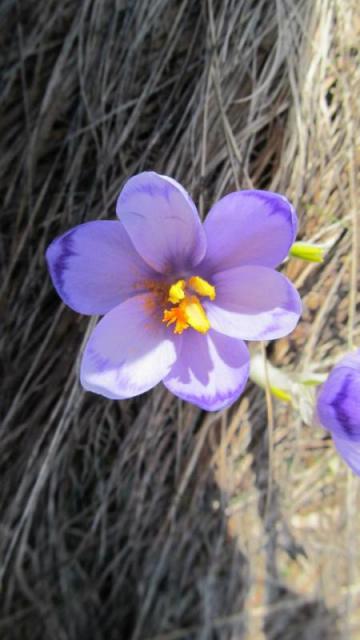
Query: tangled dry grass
148	519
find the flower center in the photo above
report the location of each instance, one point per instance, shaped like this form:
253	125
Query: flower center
186	310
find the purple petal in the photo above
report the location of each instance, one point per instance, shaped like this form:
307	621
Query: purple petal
129	351
253	303
351	360
211	370
350	452
94	266
249	227
162	222
338	406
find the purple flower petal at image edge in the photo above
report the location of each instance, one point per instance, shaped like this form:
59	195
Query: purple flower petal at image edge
253	303
94	266
338	401
210	372
338	408
162	222
249	228
129	351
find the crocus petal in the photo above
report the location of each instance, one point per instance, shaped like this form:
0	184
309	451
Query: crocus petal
253	303
249	227
129	351
211	370
350	360
162	222
338	406
94	266
350	452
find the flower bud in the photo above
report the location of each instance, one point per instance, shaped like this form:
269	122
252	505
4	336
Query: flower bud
308	251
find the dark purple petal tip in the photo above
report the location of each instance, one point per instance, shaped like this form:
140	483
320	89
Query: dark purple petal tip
58	254
249	227
338	407
94	267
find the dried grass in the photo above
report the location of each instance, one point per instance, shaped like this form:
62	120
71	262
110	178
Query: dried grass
148	518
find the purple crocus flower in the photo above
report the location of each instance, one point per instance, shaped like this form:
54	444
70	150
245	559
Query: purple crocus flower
178	297
338	408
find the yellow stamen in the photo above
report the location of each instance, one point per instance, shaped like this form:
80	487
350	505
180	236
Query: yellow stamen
189	313
176	292
195	314
203	288
187	310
